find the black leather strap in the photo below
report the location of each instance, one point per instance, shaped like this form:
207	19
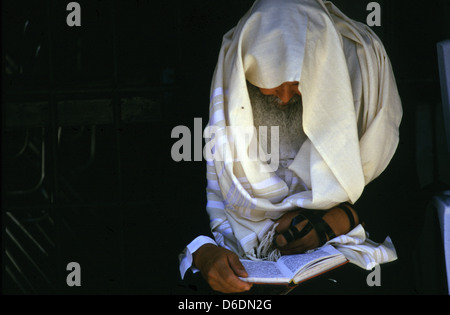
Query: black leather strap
322	228
292	233
315	221
348	212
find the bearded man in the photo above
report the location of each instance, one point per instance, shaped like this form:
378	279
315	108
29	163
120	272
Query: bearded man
325	81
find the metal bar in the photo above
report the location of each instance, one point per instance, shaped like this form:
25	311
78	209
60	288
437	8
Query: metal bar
53	143
81	205
82	93
17	282
117	119
80	112
41	179
88	163
15	241
23	147
24	230
52	244
13	261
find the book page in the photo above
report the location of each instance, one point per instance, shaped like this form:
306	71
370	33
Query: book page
296	262
263	271
287	266
324	265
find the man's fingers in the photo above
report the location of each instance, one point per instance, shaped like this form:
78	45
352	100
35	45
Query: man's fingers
237	266
232	283
239	271
221	268
285	221
307	242
281	241
224	276
228	282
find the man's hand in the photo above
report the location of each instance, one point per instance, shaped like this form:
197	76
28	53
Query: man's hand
336	219
221	269
309	241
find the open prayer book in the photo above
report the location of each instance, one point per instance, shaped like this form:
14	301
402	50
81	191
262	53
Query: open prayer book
294	269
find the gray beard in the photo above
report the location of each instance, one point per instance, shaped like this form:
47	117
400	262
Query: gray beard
266	112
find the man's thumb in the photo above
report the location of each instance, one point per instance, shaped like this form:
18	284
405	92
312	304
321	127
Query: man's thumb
237	266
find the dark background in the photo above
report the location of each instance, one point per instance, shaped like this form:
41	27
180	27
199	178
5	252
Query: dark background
87	115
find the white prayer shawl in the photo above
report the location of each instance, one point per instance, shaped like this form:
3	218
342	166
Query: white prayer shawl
351	115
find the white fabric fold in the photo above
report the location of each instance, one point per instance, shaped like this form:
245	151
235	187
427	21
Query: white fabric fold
355	246
363	252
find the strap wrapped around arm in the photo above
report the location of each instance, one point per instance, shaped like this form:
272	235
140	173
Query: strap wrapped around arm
348	212
315	221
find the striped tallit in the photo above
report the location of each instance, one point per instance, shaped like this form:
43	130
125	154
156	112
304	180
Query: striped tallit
351	115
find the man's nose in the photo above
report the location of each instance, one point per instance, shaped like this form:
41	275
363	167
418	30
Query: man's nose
285	93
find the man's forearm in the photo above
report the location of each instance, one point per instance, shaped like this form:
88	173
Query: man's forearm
186	257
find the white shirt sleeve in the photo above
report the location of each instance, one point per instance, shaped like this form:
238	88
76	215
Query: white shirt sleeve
220	227
185	257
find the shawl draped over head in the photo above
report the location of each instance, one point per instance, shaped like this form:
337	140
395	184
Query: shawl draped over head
351	115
